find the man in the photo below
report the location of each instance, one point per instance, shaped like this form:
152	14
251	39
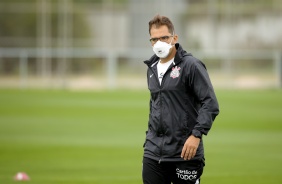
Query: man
183	106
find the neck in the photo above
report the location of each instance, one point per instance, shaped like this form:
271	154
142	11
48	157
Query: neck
170	55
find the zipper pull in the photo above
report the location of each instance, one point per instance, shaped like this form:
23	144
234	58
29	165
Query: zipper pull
160	161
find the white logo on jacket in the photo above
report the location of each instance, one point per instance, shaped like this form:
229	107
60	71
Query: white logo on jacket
175	72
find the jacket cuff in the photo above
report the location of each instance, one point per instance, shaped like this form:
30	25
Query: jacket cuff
197	133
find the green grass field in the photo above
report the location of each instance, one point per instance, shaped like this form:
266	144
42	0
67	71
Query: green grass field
64	137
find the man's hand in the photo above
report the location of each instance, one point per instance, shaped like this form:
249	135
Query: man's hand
190	147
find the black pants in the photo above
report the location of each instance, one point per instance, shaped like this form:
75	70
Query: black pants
187	172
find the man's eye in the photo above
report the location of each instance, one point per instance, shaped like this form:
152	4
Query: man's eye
164	37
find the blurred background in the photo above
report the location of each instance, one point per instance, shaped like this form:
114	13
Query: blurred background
52	50
101	44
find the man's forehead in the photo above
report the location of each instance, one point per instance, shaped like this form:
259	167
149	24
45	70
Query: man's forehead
159	30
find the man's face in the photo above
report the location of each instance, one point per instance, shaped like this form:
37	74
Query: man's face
161	33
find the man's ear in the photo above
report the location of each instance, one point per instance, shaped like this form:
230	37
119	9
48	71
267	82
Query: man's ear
175	39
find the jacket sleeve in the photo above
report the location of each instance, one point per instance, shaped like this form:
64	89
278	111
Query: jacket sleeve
204	95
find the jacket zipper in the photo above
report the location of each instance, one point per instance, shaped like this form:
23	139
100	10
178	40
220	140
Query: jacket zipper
163	133
160	86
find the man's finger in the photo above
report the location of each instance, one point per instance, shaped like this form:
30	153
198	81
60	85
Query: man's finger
192	153
183	151
187	153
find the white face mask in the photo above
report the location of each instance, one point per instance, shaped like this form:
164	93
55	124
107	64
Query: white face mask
161	49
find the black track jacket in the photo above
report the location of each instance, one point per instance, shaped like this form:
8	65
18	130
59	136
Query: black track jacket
184	102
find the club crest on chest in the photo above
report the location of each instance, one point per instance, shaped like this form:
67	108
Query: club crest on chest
175	72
